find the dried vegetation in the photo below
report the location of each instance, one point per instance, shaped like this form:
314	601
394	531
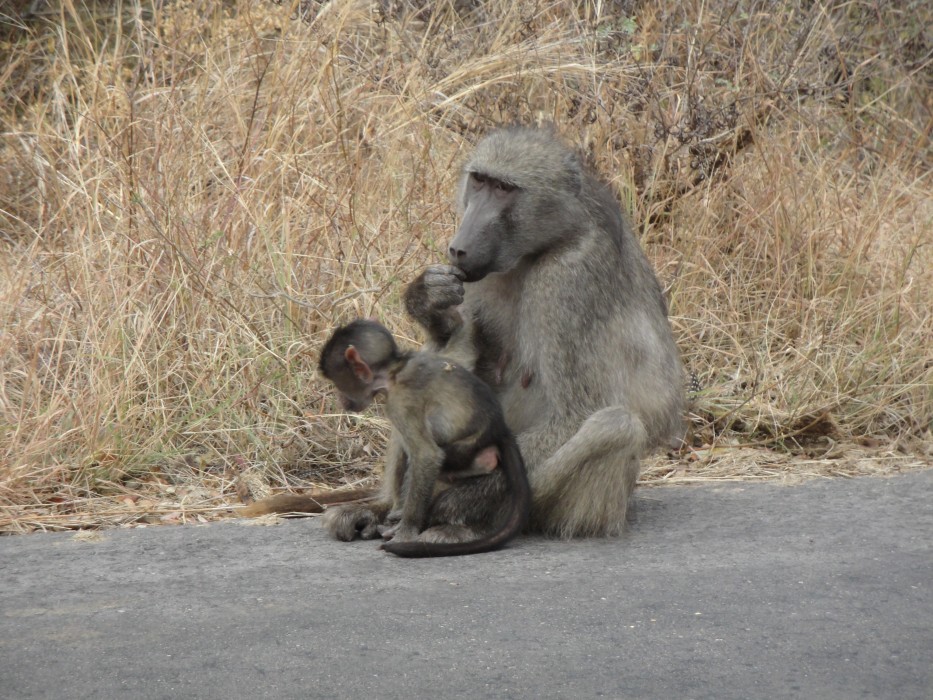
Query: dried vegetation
194	192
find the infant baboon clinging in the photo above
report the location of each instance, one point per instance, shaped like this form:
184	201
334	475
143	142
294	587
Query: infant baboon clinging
549	299
450	426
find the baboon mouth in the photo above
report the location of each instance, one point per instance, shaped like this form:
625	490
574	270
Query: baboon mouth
474	275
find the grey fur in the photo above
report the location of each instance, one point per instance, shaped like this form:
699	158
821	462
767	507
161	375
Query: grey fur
449	432
565	319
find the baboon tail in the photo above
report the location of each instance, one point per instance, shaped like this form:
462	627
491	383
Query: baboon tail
304	502
520	507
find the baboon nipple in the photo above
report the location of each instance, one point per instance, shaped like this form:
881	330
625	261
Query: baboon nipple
527	376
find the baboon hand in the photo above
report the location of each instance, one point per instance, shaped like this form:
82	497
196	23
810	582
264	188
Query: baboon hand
438	288
443	286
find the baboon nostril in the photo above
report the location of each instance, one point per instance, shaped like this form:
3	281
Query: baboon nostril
456	254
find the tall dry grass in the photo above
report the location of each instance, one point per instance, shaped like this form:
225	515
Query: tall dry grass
194	192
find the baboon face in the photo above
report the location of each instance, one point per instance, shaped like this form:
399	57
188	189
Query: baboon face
480	245
356	394
355	360
518	196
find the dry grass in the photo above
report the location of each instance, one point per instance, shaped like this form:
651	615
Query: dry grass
194	192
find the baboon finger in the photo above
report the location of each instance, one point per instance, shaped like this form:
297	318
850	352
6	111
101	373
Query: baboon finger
435	290
443	298
447	275
443	282
435	270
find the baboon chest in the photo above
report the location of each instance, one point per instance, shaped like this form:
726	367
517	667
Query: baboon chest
490	354
504	362
495	305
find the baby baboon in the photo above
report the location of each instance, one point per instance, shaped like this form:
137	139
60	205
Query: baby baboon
450	426
549	299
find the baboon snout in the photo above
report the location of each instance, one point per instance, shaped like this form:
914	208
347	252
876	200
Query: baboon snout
353	404
473	264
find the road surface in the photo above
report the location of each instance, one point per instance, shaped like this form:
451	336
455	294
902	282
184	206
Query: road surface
822	590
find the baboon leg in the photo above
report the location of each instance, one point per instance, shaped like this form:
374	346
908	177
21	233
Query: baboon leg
477	501
585	486
466	511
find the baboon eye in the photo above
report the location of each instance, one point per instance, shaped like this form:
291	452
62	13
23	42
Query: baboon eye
480	180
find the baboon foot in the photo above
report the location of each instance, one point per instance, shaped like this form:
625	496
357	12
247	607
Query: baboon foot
351	521
400	533
446	534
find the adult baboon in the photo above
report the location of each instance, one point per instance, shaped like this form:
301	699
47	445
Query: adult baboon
550	300
452	431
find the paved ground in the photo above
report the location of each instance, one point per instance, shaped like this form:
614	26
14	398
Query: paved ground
823	591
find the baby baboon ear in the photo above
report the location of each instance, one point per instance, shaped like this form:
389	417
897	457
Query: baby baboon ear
358	365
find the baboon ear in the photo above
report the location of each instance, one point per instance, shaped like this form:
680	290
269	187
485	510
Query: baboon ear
358	364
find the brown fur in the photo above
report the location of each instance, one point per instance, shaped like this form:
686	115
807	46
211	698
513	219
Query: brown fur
303	503
449	432
550	300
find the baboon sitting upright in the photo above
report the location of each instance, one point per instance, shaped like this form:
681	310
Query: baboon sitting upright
550	300
452	432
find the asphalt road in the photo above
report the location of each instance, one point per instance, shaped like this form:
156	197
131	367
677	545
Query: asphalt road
823	590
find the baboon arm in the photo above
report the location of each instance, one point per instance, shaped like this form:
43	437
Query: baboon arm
431	300
460	347
393	474
435	300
